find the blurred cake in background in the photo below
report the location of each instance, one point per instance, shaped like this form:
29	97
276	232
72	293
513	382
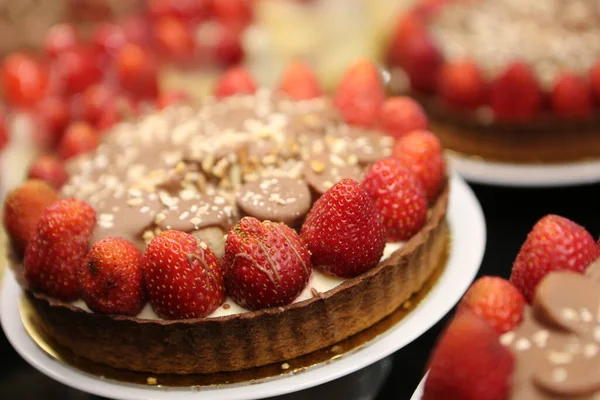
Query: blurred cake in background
507	80
92	63
326	34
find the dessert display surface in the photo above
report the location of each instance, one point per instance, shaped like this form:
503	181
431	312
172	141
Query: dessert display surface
468	241
505	84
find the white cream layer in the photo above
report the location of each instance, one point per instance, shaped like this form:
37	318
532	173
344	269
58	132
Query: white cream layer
318	281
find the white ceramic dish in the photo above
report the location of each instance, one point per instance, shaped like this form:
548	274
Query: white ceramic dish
525	175
419	390
467	225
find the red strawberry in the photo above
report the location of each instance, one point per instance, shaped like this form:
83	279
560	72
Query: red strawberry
462	85
344	231
401	115
79	138
422	62
408	25
497	301
399	197
59	38
58	247
54	114
22	210
120	109
108	38
93	102
469	363
422	153
110	278
3	131
77	68
266	264
183	277
236	80
554	244
300	82
571	97
137	71
50	169
186	10
595	80
515	94
233	12
174	39
360	94
172	97
25	80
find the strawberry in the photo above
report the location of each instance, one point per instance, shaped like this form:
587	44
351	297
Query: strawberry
300	82
137	71
93	102
469	363
110	277
3	131
422	62
166	99
79	138
22	210
344	231
58	247
77	68
236	13
183	277
554	244
571	97
266	264
174	39
54	115
360	94
422	153
462	85
515	94
595	80
234	81
408	25
122	108
399	197
59	38
401	115
50	169
497	301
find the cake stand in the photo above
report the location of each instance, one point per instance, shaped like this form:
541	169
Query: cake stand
371	359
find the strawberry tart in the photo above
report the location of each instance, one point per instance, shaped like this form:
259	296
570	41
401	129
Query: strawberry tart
504	80
251	229
534	337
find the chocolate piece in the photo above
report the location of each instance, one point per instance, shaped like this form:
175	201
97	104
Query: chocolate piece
277	199
557	344
194	212
322	171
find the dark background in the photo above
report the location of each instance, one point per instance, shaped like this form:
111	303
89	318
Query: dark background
510	214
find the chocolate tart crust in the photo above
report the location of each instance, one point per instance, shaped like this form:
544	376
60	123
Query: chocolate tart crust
252	339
